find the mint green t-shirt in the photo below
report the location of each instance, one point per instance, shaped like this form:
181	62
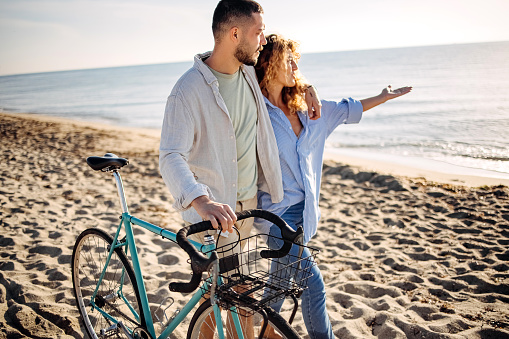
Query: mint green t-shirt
241	105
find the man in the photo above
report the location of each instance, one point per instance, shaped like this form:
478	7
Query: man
217	143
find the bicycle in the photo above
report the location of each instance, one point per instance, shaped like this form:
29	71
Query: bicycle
111	296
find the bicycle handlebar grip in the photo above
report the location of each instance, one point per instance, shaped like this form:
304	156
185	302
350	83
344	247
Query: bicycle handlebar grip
199	262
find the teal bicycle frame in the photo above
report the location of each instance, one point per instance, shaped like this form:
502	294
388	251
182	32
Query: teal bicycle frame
129	243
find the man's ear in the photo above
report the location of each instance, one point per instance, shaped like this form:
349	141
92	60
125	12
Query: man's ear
234	34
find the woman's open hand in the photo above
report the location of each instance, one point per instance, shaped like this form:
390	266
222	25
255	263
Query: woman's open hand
388	93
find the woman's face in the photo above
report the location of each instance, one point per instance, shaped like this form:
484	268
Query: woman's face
286	70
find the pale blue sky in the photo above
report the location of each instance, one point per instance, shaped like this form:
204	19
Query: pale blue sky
50	35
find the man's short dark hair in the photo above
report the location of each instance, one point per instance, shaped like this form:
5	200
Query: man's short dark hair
229	13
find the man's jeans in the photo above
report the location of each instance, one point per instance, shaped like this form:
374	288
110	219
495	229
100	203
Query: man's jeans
313	306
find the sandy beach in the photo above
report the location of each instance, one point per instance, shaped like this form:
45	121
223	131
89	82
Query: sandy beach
403	254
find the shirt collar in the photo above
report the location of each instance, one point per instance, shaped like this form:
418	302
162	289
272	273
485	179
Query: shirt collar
205	70
268	103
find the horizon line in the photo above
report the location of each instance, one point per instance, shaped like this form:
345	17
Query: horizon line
304	53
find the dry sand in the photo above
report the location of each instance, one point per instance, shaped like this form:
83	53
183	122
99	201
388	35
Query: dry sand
401	257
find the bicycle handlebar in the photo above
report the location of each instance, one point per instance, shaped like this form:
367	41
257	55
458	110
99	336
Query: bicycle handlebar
200	263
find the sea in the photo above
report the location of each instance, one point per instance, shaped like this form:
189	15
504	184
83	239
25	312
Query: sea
456	116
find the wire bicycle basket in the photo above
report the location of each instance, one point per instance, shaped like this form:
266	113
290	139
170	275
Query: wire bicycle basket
250	278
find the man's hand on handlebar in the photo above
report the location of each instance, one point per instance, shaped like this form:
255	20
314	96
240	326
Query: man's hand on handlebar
200	263
215	212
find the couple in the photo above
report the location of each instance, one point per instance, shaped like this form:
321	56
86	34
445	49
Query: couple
238	137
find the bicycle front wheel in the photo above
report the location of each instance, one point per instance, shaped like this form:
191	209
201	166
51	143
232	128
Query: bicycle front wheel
117	298
203	324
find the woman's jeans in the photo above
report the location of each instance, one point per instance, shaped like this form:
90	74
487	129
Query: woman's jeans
313	306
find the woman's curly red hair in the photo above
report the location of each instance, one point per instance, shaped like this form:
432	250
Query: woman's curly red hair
271	58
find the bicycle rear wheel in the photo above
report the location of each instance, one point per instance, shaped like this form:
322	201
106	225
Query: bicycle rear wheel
117	295
203	324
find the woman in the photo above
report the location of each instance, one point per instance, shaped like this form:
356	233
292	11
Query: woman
301	142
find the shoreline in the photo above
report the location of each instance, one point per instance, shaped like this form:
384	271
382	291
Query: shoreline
409	167
153	132
416	168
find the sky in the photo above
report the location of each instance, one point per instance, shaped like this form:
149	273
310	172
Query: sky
53	35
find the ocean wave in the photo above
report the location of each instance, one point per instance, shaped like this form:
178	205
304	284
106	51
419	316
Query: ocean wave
433	148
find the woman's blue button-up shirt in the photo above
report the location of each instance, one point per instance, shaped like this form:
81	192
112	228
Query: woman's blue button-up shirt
301	159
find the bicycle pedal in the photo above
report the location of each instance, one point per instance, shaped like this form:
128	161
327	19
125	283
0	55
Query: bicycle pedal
111	331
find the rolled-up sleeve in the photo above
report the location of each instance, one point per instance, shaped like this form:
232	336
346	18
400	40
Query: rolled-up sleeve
177	136
347	111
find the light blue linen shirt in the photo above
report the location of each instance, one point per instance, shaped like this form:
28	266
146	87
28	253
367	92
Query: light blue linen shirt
301	159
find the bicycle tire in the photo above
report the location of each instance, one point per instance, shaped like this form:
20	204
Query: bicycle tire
88	259
199	327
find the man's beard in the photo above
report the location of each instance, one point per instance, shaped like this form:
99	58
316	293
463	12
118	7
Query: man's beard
243	56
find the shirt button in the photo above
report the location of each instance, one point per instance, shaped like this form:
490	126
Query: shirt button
233	160
234	185
231	136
